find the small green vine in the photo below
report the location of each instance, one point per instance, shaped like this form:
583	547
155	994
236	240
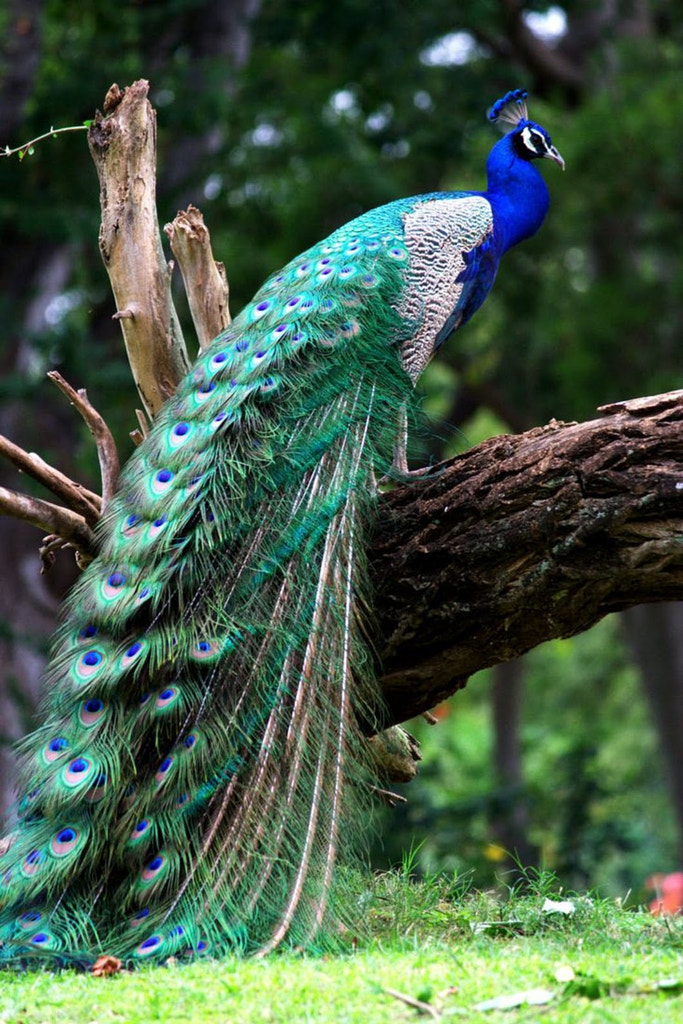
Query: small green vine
27	148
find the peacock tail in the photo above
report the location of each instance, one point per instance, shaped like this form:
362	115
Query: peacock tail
200	746
201	766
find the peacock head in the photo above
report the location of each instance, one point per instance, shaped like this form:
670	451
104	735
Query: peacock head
530	140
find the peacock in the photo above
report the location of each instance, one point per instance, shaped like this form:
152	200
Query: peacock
200	770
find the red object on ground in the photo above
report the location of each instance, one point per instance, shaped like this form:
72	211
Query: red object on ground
669	890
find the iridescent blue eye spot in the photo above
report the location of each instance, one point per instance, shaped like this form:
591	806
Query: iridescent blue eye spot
217	361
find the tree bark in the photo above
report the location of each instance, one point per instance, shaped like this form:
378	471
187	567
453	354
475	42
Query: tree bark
523	539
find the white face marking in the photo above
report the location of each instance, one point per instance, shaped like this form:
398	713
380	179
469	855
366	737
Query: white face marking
533	140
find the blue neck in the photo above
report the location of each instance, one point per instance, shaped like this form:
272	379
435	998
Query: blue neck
517	193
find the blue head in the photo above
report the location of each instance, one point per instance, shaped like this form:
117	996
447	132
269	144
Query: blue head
529	141
516	190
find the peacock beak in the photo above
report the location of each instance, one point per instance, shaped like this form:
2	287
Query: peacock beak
552	154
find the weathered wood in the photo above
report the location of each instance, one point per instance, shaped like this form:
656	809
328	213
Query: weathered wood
523	539
123	147
205	280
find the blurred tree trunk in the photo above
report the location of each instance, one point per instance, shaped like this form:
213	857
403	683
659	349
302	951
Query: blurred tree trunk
510	812
655	635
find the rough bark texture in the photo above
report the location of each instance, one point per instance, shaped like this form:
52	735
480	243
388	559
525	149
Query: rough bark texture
123	146
526	538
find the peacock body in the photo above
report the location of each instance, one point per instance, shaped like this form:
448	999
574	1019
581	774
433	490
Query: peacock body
200	768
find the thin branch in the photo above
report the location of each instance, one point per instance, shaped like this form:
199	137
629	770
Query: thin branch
27	147
206	284
52	519
106	446
77	497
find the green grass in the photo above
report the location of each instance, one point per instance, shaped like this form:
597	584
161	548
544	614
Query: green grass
432	941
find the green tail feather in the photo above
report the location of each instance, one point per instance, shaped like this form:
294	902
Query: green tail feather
199	770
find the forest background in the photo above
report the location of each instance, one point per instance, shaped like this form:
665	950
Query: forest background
281	119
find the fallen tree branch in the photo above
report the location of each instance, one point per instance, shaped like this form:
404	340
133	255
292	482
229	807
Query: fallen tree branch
523	539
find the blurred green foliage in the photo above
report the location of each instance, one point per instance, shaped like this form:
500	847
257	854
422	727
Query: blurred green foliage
598	810
339	108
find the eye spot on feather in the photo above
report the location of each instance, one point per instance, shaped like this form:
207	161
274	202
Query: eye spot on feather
131	525
397	253
221	420
153	869
91	711
32	863
161	481
98	790
89	664
143	595
65	841
202	393
30	920
217	361
149	946
113	586
164	770
179	434
141	831
167	698
205	650
78	772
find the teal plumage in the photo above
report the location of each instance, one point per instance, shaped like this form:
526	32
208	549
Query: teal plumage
200	769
